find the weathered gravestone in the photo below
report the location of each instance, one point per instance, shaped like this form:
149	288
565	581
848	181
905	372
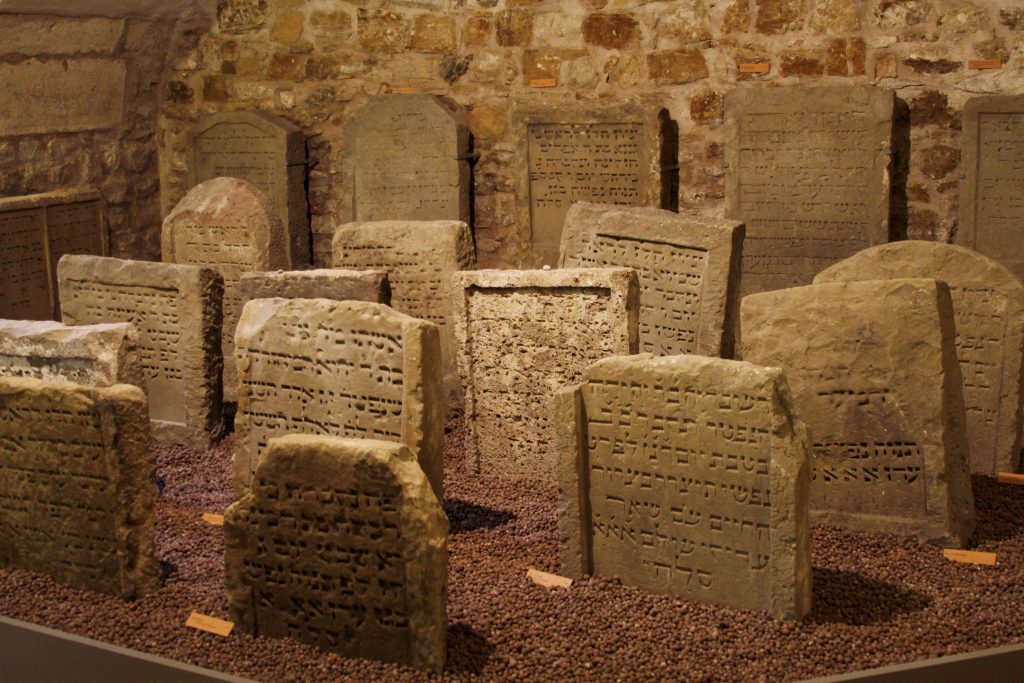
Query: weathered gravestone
77	483
407	158
522	336
625	155
874	374
988	307
321	283
177	312
36	230
689	271
687	475
228	225
269	152
337	368
809	175
341	544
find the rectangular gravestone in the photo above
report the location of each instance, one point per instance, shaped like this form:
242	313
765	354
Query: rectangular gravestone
625	155
320	283
884	401
689	271
337	368
77	485
808	172
177	312
522	336
376	585
687	475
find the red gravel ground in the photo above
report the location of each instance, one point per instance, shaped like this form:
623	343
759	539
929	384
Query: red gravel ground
877	599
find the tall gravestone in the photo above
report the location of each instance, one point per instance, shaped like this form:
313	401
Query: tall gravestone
689	476
625	155
337	368
407	158
874	374
226	224
269	152
319	283
809	174
988	306
375	586
522	336
689	271
77	484
177	312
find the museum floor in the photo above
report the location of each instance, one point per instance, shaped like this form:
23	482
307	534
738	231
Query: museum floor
877	599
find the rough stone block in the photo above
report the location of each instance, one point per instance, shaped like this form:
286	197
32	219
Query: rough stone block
322	283
61	96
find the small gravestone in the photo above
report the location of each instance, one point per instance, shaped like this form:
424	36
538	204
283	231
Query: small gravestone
321	283
408	158
337	368
77	485
689	476
229	225
689	271
988	306
874	374
809	175
522	336
177	312
342	544
269	152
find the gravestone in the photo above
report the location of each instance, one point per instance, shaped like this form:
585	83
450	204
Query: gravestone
809	175
228	225
407	158
874	374
177	312
77	484
988	307
375	586
689	271
269	152
625	155
522	336
337	368
320	283
420	258
689	476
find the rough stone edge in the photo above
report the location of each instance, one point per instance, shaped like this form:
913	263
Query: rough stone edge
575	536
374	282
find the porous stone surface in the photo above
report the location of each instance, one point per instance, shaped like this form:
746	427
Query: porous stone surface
319	283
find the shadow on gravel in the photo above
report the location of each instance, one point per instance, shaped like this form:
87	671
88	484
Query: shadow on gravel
999	509
847	598
466	516
468	651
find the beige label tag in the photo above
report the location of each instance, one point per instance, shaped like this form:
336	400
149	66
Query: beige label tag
405	90
1010	478
985	64
755	68
548	580
209	624
543	83
969	556
213	518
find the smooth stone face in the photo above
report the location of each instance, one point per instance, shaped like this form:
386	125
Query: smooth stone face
874	374
988	307
689	271
321	283
376	585
522	336
176	310
689	476
808	174
77	483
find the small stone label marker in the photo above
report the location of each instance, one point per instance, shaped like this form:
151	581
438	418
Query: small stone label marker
203	622
548	580
213	519
969	556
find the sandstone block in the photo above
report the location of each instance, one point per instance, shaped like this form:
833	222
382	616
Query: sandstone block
322	283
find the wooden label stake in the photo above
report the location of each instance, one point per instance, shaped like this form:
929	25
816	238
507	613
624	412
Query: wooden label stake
202	622
755	68
548	580
213	519
969	556
985	64
1010	478
543	83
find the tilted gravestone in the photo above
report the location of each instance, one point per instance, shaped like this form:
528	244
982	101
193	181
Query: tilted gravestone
689	271
988	307
874	374
320	283
176	310
77	484
689	476
375	586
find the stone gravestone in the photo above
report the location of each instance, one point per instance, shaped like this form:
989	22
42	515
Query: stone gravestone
625	155
689	476
269	152
337	368
874	374
177	312
375	585
522	336
689	271
420	258
77	485
408	158
809	175
988	307
226	224
321	283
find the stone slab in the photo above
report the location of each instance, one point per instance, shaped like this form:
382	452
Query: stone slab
24	35
61	95
321	283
